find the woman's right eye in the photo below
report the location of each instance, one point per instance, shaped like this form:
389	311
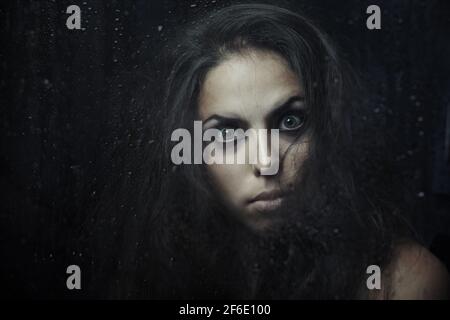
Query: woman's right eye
227	134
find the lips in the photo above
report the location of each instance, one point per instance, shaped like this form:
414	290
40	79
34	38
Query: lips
267	195
266	201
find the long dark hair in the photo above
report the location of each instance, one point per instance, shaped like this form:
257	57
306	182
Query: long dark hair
161	232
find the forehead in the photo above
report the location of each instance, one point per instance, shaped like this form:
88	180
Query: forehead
247	85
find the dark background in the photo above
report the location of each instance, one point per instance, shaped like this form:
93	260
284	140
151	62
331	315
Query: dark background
65	97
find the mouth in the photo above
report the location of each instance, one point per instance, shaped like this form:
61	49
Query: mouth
266	201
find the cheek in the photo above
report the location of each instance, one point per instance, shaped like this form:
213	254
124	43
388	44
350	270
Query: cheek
295	156
227	179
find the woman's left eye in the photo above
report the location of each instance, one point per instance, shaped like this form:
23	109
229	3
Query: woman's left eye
292	122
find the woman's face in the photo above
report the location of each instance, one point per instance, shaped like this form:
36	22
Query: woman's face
256	90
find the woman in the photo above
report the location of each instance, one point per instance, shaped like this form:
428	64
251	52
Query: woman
226	230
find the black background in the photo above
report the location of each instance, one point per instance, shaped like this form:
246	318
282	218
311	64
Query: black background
65	97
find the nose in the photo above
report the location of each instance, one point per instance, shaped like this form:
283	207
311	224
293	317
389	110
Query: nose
267	153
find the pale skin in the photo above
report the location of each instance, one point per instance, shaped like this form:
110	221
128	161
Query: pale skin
257	89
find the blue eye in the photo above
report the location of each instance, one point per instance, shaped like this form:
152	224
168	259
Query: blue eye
291	122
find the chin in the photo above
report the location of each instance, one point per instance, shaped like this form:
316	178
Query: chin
262	225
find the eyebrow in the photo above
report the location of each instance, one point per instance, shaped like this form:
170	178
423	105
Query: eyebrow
235	119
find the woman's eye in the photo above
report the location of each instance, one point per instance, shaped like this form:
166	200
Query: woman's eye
292	122
227	134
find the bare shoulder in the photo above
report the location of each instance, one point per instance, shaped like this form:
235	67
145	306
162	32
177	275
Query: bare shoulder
415	273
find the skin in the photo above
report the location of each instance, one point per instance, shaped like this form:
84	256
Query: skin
414	274
249	87
249	91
